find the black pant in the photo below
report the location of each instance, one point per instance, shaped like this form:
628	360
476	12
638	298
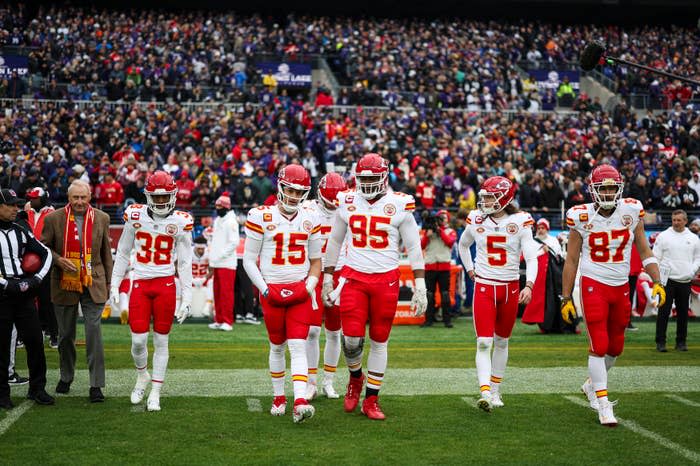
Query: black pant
47	314
680	294
432	279
243	298
21	312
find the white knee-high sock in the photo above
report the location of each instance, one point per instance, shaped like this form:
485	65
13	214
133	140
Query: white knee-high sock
300	369
376	364
609	362
499	359
599	376
139	351
331	354
313	351
483	362
161	355
277	367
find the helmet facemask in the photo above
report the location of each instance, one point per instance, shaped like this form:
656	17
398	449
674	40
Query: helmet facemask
611	197
372	185
489	203
291	196
161	207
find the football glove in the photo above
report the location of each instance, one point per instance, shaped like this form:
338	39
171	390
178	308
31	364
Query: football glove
183	313
327	289
114	297
658	293
568	311
419	302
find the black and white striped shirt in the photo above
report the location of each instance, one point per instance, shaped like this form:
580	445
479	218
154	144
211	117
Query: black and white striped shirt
15	240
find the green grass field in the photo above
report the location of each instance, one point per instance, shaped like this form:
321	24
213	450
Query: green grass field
215	406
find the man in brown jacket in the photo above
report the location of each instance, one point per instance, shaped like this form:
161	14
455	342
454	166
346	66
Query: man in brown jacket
78	237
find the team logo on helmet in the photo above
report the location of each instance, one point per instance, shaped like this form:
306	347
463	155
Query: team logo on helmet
171	229
307	225
389	209
627	220
505	184
512	228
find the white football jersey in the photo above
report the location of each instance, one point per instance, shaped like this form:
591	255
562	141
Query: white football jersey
607	241
200	267
373	241
499	244
287	244
326	217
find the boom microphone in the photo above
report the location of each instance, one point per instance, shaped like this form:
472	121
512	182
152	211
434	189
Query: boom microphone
594	54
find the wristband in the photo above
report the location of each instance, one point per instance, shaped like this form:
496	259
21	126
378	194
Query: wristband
327	278
565	298
311	282
650	260
420	283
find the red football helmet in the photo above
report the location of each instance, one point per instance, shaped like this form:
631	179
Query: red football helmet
160	183
293	186
329	187
372	175
604	176
495	194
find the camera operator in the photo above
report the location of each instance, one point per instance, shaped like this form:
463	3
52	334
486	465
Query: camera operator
437	239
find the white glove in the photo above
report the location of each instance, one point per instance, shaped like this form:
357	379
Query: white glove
335	295
311	283
114	297
419	302
327	289
183	313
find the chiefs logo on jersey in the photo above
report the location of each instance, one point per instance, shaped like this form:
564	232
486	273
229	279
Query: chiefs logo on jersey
389	209
307	225
512	228
171	229
627	220
137	225
352	208
267	217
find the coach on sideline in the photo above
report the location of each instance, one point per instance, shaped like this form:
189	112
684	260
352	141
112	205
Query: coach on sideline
78	237
678	251
17	293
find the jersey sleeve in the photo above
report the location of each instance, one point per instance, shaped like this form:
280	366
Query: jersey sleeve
315	242
634	206
186	221
133	214
527	222
576	217
253	223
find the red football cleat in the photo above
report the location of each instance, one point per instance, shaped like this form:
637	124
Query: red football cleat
352	397
371	408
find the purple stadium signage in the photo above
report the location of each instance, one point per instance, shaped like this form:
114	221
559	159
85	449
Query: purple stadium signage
288	74
11	63
550	79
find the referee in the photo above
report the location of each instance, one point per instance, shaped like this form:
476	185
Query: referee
678	252
17	293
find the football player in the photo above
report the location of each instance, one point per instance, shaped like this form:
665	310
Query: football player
600	237
158	233
325	206
201	276
285	237
377	219
502	234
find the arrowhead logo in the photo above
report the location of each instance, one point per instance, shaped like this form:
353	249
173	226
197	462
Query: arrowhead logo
286	293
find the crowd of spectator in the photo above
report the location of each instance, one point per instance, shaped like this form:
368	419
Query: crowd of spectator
83	53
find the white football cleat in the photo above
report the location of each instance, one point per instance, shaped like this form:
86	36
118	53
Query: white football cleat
140	388
496	400
302	411
311	391
605	414
279	406
328	390
587	389
484	402
214	326
153	403
225	327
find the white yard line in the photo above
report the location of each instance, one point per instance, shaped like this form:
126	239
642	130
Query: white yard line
651	435
14	414
254	405
684	401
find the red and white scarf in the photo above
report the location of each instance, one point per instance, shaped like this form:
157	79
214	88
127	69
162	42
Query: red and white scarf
72	247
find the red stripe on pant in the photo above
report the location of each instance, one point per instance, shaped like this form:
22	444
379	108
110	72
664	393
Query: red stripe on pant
224	280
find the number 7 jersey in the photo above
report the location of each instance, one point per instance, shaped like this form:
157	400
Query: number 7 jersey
607	241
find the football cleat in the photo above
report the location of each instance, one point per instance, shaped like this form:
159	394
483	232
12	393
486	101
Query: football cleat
605	414
587	389
496	400
225	327
214	326
484	402
371	408
328	390
311	391
153	403
302	410
140	388
352	396
279	406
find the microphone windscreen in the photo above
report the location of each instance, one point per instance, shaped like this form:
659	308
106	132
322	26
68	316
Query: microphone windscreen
591	55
